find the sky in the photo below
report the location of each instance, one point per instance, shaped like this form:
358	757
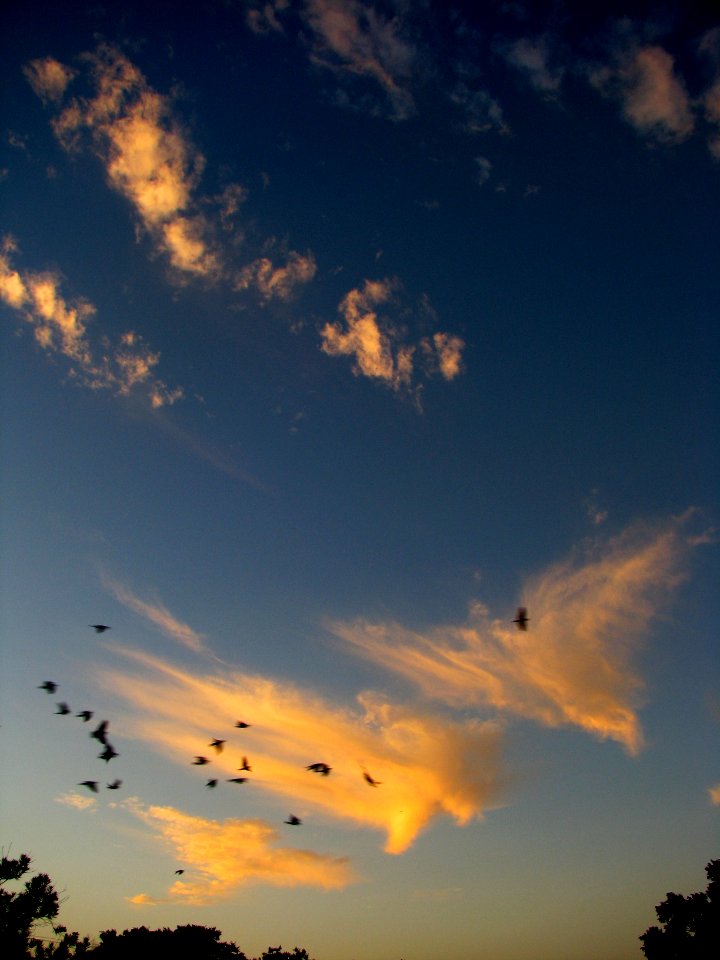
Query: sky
332	333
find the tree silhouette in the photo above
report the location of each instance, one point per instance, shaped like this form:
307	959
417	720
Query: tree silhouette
21	910
690	925
139	943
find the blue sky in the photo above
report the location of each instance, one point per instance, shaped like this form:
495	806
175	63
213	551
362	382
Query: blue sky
332	333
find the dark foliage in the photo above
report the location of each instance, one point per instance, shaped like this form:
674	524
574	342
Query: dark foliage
690	925
139	943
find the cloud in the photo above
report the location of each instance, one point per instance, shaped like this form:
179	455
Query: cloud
147	158
482	112
49	78
77	802
574	666
427	764
654	99
484	170
377	345
263	17
714	793
532	56
353	38
60	327
159	616
276	283
221	856
709	46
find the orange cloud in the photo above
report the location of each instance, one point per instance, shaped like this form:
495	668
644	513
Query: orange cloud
147	158
158	615
273	282
574	665
427	764
219	857
48	78
60	326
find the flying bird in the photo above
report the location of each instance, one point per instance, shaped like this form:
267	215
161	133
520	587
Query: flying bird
245	765
115	785
199	761
211	783
108	753
370	780
242	725
85	715
521	618
62	709
322	768
238	780
293	821
99	627
48	685
100	732
218	744
178	872
90	784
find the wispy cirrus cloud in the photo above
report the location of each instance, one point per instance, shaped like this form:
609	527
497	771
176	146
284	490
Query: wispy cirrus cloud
427	764
221	856
60	326
379	346
574	666
158	614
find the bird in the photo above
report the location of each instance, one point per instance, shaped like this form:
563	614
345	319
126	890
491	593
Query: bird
100	627
293	821
62	709
90	784
115	785
179	872
48	685
241	725
108	753
322	768
218	744
370	780
100	732
199	761
245	765
521	618
237	780
211	783
85	715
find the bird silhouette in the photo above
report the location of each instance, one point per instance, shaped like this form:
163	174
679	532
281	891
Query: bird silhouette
100	732
62	709
242	725
108	753
90	784
211	783
199	761
322	768
218	744
370	780
178	872
100	627
245	765
521	619
115	785
48	685
293	821
85	715
238	780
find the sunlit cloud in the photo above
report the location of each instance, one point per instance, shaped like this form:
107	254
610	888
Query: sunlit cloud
574	666
77	801
262	17
714	793
221	856
49	78
354	38
159	616
277	282
147	157
60	326
426	764
653	97
532	56
378	345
